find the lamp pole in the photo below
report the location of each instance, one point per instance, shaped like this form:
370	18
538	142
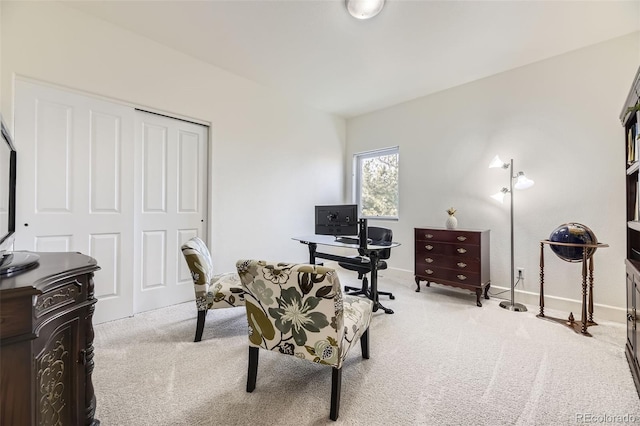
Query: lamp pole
511	305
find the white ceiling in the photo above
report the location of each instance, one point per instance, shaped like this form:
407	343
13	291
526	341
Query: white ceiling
316	52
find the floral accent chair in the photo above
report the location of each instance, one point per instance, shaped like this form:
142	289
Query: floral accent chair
212	291
299	310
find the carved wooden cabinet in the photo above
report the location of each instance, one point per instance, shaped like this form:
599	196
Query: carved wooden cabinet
458	257
46	334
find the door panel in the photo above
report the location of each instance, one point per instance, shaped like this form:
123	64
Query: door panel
172	208
124	186
76	165
53	243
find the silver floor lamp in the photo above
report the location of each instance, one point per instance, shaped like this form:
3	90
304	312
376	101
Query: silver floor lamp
521	182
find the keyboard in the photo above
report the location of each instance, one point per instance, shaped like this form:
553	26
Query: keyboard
350	240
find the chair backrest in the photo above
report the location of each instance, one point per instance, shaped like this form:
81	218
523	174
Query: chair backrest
198	258
294	309
380	236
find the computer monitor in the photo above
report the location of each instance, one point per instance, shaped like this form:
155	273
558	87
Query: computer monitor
337	220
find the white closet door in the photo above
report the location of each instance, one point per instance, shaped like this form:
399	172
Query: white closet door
75	168
170	205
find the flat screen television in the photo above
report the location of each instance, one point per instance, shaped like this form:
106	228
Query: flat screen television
16	261
337	220
7	187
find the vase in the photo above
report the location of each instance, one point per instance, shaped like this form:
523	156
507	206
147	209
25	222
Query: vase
452	222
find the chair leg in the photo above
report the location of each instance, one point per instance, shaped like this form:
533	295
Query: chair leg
200	325
253	368
364	290
336	384
365	284
387	293
364	344
365	287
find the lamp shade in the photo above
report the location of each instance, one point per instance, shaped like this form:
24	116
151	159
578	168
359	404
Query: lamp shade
497	162
499	196
523	182
364	9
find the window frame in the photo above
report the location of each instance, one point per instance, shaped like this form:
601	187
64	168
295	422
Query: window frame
357	179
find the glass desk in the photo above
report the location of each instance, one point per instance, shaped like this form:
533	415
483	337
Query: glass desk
369	250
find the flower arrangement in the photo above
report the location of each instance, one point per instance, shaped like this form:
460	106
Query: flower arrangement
452	221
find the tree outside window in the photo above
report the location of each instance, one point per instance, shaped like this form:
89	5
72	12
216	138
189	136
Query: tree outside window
376	183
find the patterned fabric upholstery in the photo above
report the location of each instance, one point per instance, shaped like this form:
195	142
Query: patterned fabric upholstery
212	291
299	310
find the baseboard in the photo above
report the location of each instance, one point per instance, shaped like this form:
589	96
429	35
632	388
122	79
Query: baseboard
554	306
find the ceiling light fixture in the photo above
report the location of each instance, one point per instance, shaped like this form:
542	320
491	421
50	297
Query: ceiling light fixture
364	9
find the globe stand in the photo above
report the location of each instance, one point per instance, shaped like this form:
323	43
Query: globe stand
588	250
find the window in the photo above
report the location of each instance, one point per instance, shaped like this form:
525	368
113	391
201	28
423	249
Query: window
376	183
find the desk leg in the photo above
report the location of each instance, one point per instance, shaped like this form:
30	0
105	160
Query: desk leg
373	256
541	314
312	253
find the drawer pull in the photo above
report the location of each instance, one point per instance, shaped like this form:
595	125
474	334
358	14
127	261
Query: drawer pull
428	260
428	271
462	238
461	250
461	264
428	247
461	277
429	236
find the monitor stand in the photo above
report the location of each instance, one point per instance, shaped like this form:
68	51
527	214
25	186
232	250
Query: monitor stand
17	261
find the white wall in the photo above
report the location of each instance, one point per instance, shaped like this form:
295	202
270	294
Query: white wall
272	158
558	120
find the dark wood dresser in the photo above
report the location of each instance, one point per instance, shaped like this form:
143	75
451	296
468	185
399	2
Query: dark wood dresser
455	257
46	335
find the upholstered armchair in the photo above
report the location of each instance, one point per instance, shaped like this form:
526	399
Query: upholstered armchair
299	310
212	291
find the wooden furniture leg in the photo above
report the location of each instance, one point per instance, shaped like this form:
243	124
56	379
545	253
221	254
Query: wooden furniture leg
584	291
590	321
541	314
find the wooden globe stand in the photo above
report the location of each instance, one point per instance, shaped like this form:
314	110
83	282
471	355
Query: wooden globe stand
587	292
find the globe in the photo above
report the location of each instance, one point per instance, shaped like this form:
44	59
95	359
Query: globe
575	233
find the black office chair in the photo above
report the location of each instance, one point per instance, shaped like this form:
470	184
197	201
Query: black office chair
378	236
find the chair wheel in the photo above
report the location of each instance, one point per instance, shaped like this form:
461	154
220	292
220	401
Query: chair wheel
392	297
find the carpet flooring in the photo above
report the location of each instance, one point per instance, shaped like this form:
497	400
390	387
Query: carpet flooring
438	360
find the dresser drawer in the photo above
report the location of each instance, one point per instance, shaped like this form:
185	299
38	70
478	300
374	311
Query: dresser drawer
426	248
448	262
433	273
64	294
15	316
447	236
